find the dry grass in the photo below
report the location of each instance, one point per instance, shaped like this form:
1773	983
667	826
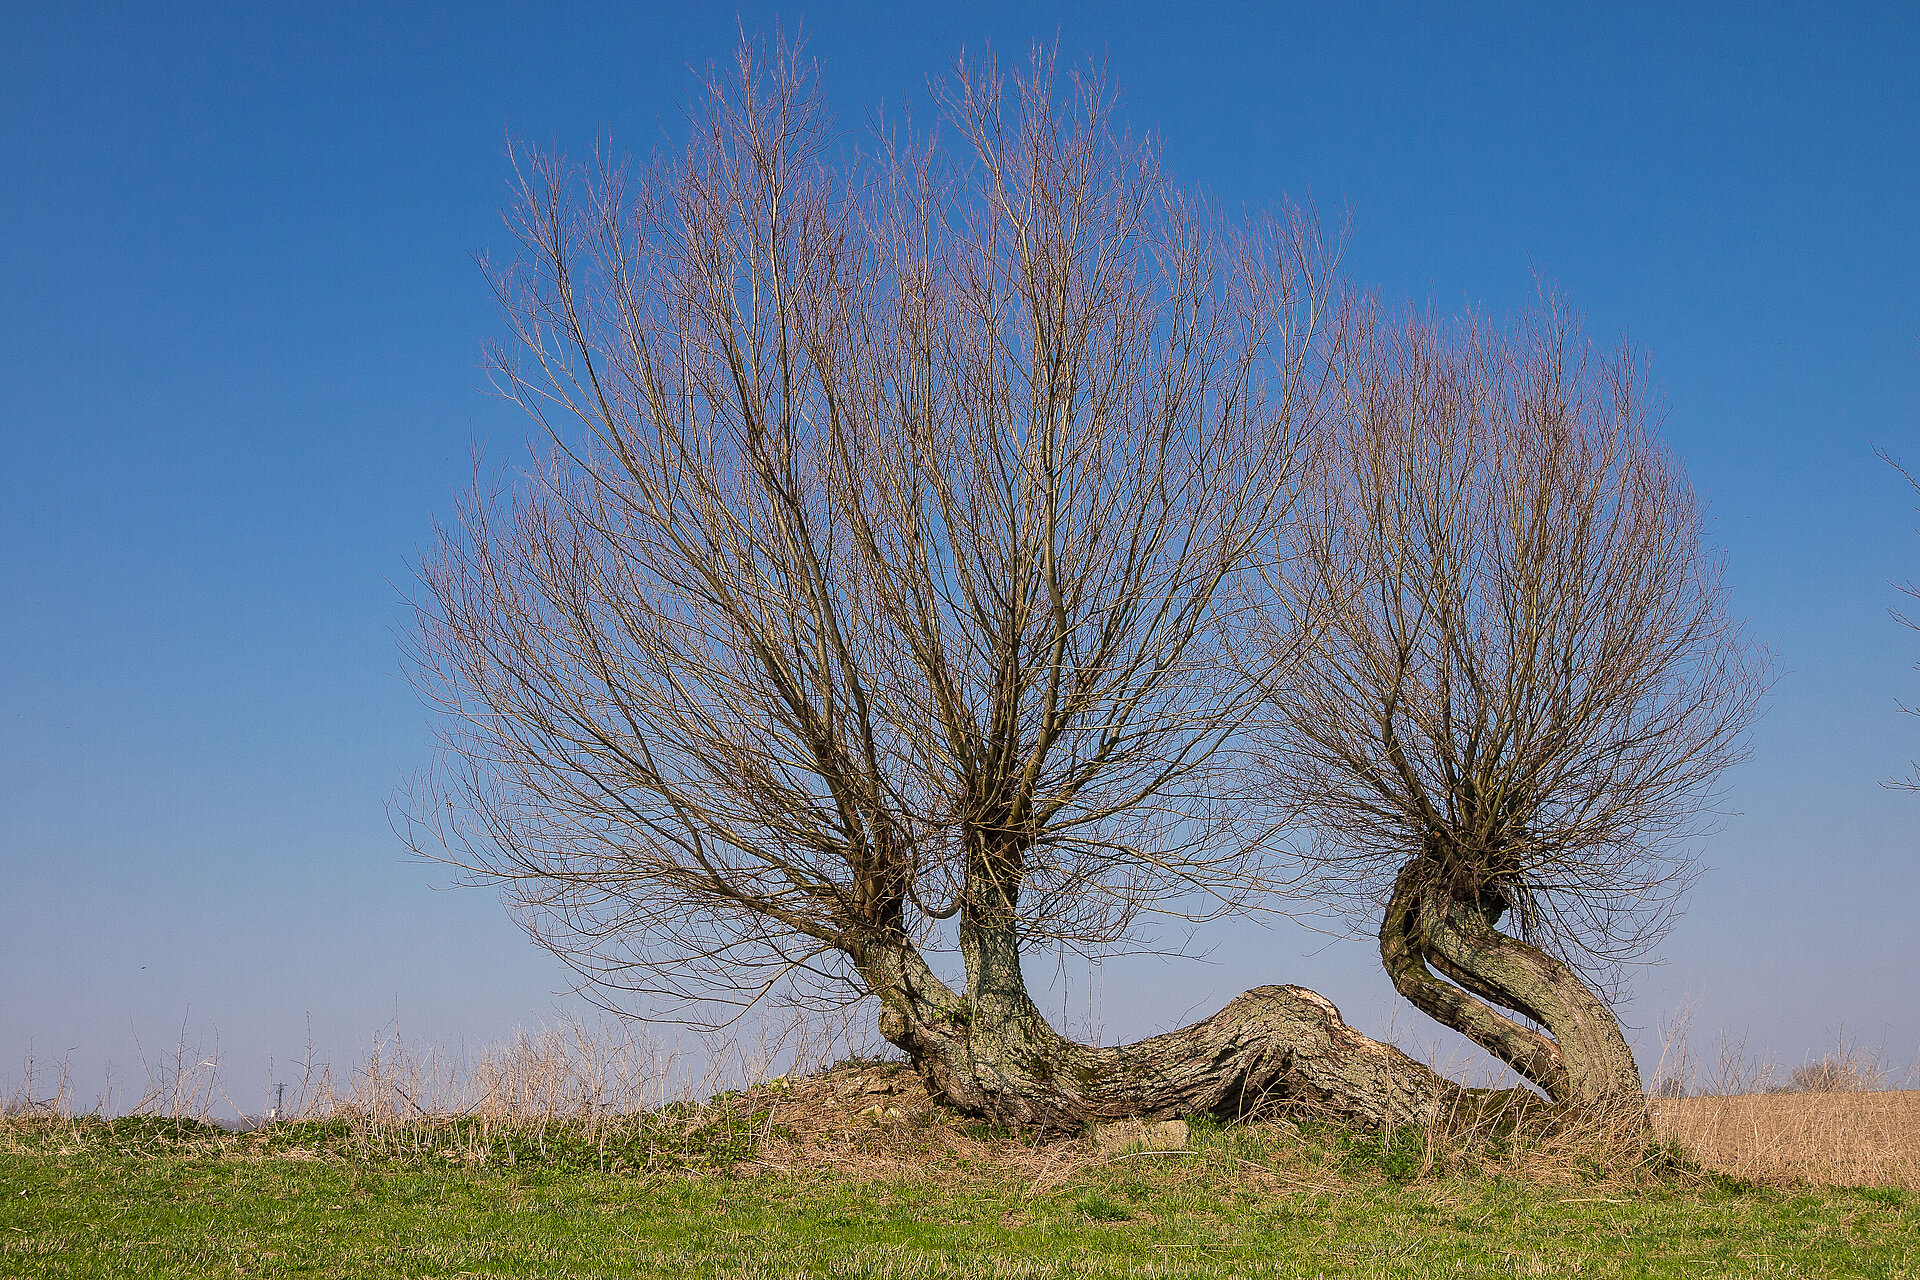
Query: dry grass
1849	1139
574	1091
876	1121
615	1099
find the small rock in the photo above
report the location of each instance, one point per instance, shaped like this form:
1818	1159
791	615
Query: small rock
882	1086
1143	1135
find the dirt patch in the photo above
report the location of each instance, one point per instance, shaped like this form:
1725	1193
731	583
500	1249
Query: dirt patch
876	1119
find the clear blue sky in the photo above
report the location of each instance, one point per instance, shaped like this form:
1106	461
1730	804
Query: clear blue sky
239	340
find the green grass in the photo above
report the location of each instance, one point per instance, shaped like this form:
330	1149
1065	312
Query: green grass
127	1201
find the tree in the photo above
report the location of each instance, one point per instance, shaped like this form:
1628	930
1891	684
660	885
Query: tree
870	577
1522	684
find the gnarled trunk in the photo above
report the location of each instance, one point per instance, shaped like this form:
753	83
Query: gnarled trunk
1272	1050
1583	1059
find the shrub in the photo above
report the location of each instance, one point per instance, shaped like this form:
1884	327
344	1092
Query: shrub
1848	1069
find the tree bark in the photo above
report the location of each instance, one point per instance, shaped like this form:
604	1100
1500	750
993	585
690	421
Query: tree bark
1583	1059
1278	1050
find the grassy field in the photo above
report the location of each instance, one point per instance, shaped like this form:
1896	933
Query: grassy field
135	1199
854	1174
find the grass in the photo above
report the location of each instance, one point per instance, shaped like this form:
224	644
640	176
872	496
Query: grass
1855	1137
562	1154
162	1198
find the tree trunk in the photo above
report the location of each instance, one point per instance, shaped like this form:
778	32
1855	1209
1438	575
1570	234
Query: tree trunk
1582	1060
1273	1050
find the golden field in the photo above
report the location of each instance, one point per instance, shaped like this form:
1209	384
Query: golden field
1853	1139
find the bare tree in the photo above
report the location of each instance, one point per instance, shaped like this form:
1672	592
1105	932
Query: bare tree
1523	683
869	581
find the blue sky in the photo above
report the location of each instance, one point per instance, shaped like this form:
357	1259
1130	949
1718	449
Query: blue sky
239	345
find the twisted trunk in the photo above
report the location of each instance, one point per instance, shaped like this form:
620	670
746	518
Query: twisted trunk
1273	1050
1581	1061
990	1052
